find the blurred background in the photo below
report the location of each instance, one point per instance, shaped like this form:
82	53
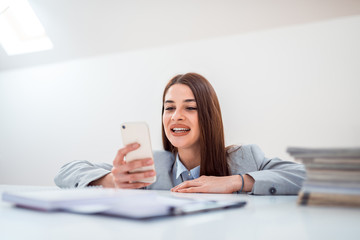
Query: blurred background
287	73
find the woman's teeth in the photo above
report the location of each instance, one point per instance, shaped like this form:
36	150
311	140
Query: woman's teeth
180	129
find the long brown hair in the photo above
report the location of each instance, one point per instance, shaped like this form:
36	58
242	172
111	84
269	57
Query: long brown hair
212	143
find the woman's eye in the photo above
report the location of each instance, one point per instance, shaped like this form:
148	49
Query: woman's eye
169	108
191	108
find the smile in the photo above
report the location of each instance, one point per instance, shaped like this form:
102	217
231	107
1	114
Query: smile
180	130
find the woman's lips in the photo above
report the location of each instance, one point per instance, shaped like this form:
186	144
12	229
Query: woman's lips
179	130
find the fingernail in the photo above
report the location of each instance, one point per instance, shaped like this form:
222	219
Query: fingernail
152	173
150	161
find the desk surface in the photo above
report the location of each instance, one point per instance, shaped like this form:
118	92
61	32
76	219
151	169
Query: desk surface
264	217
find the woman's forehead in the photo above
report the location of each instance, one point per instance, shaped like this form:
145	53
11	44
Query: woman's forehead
179	92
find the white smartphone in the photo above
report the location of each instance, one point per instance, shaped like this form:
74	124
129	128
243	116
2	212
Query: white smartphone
138	132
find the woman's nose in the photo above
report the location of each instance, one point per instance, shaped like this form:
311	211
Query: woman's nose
177	115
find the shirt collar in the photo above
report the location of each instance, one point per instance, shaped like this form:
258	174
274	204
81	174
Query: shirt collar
180	168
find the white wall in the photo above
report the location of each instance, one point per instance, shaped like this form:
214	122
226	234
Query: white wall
294	86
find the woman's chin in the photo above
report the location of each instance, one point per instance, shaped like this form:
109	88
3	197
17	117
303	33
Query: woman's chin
182	144
178	144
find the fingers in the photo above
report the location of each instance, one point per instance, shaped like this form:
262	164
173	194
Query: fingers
124	178
193	186
207	184
119	159
132	185
192	190
129	166
122	171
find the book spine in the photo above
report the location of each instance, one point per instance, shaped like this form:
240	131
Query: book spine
324	199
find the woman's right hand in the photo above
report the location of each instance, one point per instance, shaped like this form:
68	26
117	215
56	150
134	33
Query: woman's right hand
121	171
121	176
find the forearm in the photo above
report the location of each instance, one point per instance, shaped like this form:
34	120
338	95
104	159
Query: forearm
278	177
275	176
277	181
105	181
248	183
80	174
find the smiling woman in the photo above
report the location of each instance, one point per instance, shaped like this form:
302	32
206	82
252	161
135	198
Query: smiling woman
203	113
195	157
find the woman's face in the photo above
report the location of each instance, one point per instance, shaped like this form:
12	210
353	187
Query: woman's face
180	117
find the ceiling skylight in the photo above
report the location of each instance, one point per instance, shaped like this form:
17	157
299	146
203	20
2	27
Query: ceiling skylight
20	30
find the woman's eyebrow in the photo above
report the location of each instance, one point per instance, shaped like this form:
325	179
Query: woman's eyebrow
186	100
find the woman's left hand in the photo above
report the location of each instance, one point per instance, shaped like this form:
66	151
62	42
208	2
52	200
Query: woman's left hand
210	184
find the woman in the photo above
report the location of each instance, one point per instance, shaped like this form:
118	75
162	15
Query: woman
195	158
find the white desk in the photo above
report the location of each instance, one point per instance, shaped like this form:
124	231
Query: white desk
264	217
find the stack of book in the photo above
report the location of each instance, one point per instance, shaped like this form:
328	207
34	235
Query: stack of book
333	176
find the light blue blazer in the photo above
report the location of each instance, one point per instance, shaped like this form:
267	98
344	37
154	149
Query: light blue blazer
272	176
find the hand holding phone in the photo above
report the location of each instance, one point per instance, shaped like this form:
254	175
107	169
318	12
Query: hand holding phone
138	132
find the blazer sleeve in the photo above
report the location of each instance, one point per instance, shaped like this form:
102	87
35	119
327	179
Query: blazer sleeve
272	176
80	173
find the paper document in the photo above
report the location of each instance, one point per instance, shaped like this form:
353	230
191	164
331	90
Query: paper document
137	204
